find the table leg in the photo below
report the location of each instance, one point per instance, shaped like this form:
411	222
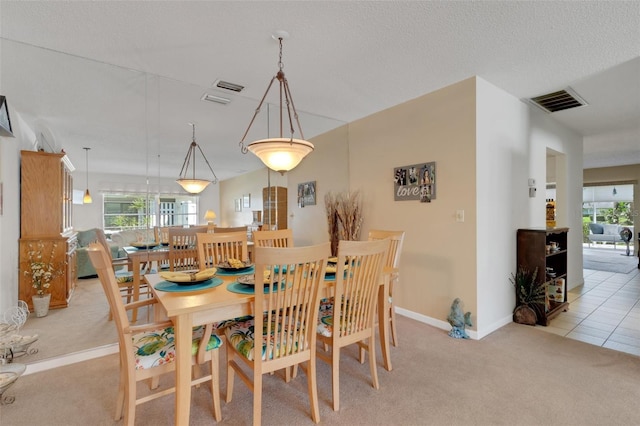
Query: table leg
383	321
183	332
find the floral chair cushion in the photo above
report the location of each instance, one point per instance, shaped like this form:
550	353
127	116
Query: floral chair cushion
124	277
241	335
158	347
325	317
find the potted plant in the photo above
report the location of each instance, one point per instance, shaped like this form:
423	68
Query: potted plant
41	269
531	296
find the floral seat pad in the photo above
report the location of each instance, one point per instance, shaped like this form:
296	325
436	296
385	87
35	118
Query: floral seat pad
325	317
153	348
124	277
241	335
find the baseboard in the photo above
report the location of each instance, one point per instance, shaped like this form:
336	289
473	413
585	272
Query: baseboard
475	335
72	358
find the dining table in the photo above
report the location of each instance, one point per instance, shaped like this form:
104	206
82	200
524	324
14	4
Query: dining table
222	301
140	256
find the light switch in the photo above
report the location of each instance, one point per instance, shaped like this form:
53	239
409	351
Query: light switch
459	215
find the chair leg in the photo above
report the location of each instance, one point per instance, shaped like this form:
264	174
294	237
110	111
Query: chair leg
230	375
121	393
257	398
335	377
313	389
372	360
215	384
394	330
130	401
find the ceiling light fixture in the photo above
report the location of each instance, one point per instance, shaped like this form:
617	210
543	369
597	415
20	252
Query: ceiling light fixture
87	196
280	154
193	185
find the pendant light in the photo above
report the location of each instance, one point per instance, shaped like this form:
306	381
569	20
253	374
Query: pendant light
87	196
280	154
193	185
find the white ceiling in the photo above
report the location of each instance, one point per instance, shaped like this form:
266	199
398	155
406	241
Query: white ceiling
124	78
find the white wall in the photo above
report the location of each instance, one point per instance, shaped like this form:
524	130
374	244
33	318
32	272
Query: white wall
10	219
512	143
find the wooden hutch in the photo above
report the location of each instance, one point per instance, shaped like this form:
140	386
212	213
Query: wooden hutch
274	201
551	265
46	196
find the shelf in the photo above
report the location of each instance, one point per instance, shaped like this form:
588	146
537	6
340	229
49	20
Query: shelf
555	310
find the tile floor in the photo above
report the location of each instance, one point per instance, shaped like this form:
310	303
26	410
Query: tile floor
605	311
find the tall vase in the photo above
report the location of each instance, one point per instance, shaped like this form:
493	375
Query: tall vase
41	304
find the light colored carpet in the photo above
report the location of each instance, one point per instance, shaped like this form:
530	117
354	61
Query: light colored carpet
518	375
609	260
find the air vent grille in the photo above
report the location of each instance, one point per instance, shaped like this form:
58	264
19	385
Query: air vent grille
213	98
559	101
221	84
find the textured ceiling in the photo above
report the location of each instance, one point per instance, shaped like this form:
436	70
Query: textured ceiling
128	76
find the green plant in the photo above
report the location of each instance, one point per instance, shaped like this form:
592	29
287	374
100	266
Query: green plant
530	292
585	229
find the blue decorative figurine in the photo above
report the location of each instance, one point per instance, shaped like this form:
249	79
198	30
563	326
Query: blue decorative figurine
458	320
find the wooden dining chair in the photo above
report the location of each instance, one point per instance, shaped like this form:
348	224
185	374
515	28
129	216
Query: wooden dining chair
124	277
216	248
392	264
352	320
183	247
286	312
220	229
279	238
147	351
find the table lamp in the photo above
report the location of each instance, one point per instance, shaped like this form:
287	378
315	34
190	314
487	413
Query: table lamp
209	216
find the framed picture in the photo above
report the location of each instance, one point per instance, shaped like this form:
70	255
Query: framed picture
5	121
238	204
307	194
415	182
246	201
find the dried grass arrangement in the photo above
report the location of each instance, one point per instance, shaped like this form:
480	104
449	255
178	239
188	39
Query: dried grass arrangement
344	217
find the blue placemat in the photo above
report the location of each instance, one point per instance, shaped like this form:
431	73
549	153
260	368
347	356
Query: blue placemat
224	273
236	287
173	287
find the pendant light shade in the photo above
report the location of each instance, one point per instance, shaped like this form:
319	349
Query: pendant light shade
87	196
190	183
280	154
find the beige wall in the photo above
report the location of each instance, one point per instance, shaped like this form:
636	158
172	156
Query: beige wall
486	144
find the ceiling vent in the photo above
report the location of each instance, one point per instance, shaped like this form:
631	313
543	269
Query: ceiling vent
213	98
558	101
220	84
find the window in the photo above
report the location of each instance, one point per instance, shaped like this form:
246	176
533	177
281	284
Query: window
608	204
132	211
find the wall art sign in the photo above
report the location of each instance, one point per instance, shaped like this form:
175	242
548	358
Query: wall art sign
307	194
415	182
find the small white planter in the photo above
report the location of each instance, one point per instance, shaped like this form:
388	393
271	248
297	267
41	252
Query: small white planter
41	305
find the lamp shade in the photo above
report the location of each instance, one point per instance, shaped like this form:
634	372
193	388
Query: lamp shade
87	197
281	154
193	186
209	215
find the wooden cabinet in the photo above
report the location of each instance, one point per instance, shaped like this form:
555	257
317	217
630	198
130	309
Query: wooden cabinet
274	214
46	196
551	265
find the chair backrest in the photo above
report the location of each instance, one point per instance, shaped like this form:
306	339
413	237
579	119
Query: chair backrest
358	277
218	247
279	238
102	239
395	249
102	263
219	229
183	247
291	302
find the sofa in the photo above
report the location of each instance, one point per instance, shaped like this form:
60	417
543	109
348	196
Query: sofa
126	237
607	233
83	264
